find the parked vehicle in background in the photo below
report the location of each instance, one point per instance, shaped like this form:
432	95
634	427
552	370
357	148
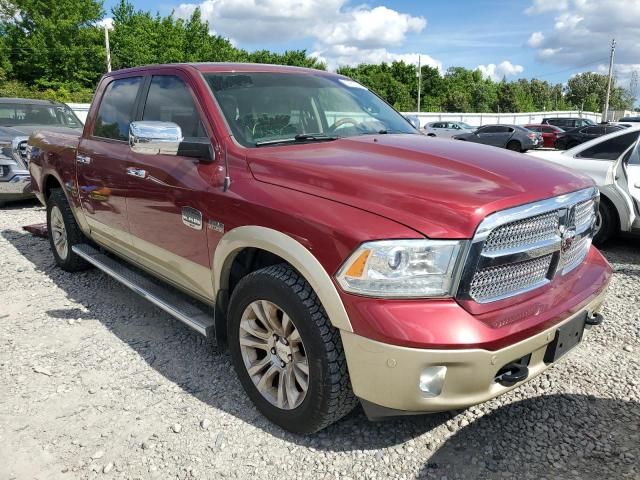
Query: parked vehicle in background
567	123
629	119
549	133
610	161
576	136
447	129
511	137
19	117
340	255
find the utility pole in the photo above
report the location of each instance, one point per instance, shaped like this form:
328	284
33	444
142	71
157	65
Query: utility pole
106	46
419	82
605	113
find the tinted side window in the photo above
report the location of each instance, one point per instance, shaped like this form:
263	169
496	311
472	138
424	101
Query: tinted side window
116	109
169	100
592	130
488	130
610	149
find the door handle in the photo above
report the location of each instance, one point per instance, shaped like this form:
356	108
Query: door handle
83	159
136	172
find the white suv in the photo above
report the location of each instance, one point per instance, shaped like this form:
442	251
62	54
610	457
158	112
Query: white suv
447	129
613	161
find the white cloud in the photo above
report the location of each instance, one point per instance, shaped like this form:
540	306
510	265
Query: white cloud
497	72
341	35
581	31
542	6
536	39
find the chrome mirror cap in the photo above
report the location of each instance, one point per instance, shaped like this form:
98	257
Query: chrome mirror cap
153	138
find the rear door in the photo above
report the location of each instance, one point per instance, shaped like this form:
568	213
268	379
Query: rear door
170	192
633	179
488	135
598	161
101	161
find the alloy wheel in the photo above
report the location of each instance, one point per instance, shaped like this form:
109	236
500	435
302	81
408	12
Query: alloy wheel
273	354
59	233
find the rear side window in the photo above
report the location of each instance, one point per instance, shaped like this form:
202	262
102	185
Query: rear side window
116	109
610	149
169	100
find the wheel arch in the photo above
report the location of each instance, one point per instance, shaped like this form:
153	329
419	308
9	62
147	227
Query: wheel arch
289	250
622	223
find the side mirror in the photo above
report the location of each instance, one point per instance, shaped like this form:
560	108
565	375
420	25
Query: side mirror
153	138
413	120
165	138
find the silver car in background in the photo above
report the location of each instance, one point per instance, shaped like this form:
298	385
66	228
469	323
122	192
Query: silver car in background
447	129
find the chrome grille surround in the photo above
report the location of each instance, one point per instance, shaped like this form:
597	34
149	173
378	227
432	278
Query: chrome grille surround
524	248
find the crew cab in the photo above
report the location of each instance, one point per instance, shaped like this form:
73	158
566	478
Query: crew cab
612	161
294	217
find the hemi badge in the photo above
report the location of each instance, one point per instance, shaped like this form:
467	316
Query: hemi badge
216	226
192	218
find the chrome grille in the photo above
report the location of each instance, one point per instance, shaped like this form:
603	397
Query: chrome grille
496	282
22	151
575	255
523	248
522	233
584	213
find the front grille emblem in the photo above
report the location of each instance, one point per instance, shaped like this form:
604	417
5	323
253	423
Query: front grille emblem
567	237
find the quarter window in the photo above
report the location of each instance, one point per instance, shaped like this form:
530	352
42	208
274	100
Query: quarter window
610	149
169	100
116	109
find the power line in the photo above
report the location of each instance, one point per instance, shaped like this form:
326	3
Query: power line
577	67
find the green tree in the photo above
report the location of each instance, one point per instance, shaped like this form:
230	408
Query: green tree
52	44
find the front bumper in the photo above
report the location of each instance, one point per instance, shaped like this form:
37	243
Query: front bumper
16	188
387	376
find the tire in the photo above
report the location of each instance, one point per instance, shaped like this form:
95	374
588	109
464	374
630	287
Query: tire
328	396
606	225
62	228
514	146
571	145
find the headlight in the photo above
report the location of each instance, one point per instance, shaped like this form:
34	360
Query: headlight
401	268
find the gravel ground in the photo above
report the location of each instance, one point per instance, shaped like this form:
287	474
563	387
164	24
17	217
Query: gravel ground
97	383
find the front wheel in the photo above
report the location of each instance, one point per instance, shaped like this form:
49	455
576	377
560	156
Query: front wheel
288	356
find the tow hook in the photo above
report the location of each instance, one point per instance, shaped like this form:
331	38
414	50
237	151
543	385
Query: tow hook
594	319
511	374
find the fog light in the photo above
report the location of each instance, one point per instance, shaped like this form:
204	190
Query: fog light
432	380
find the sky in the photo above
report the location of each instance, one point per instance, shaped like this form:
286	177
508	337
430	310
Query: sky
546	39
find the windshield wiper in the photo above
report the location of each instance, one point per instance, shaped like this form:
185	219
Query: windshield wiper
301	137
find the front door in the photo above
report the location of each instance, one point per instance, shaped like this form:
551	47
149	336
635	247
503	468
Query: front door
170	193
101	161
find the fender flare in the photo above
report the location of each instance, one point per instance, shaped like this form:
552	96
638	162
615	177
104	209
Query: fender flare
290	250
623	212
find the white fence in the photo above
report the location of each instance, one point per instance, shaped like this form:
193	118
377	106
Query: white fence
479	119
475	119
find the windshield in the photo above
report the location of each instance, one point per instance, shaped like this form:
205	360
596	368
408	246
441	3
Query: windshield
466	125
12	115
264	108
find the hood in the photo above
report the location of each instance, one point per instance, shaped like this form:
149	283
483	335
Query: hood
8	133
441	188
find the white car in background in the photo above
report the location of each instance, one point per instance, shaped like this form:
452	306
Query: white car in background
447	129
613	161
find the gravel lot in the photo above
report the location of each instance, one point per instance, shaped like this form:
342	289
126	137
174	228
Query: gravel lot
98	383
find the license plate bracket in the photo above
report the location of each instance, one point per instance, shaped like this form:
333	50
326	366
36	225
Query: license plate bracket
567	337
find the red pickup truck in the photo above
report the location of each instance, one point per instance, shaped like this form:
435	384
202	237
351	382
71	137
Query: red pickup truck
343	257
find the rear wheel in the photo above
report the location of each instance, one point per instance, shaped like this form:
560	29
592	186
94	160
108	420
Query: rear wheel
64	233
514	146
606	224
288	356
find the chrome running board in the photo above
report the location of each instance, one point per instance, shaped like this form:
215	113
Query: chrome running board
175	303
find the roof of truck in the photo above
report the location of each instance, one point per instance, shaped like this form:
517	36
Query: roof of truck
212	67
